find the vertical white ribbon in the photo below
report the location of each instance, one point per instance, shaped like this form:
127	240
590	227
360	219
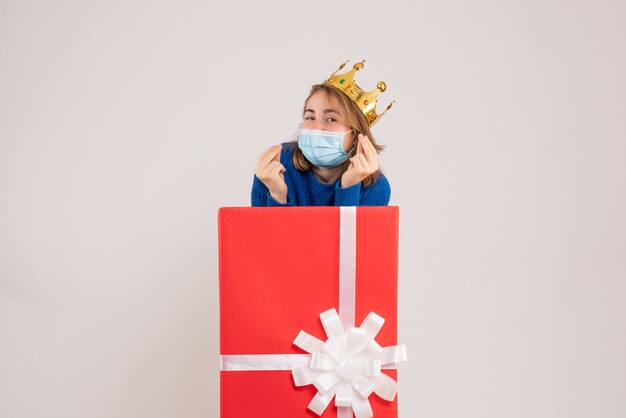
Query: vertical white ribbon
347	266
347	278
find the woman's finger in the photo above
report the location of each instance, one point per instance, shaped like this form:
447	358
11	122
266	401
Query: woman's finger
269	155
368	148
277	168
372	155
261	158
358	167
364	163
359	145
266	172
277	155
274	171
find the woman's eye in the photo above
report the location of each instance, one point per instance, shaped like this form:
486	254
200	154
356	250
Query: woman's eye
331	120
309	118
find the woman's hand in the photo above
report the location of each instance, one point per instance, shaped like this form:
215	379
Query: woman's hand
270	171
364	163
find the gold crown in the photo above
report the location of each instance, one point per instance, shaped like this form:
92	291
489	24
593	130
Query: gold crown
366	101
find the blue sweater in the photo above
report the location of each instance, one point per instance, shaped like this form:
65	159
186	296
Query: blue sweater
304	189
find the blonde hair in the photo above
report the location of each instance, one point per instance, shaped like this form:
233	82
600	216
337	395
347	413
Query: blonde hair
355	119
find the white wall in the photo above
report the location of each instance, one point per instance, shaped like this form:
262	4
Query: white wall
125	125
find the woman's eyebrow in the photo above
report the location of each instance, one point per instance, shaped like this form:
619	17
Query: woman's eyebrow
325	111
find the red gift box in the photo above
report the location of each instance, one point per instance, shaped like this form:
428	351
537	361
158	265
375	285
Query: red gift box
279	269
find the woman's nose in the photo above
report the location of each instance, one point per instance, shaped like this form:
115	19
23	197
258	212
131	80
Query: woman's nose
313	124
319	125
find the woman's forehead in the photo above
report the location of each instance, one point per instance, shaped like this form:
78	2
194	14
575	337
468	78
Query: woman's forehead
324	100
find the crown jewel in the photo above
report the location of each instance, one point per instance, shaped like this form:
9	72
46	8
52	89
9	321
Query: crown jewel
365	100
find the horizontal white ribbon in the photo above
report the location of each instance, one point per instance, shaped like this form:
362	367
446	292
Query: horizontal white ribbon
276	362
240	362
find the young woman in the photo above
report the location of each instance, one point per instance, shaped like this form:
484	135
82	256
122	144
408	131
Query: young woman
333	162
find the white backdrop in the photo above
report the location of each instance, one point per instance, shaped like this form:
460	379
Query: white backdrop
125	125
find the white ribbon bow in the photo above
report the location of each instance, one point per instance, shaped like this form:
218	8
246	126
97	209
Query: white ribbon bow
347	365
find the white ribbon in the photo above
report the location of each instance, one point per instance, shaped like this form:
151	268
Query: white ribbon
347	366
238	362
347	265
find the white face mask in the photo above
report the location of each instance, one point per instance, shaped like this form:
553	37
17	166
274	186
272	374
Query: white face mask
323	148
